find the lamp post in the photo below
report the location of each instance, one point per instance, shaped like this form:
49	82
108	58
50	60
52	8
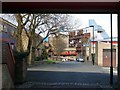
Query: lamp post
93	46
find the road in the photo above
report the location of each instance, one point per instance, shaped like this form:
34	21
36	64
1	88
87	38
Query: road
67	75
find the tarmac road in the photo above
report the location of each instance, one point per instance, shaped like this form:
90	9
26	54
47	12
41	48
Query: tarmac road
67	75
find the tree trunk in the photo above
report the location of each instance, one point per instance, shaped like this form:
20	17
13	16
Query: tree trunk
30	51
19	43
29	57
19	33
33	47
33	57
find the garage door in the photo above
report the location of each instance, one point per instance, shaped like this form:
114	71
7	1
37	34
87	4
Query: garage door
107	57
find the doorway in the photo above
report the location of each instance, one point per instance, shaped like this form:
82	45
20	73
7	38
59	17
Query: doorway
107	57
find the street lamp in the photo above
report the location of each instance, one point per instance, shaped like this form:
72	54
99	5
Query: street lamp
93	55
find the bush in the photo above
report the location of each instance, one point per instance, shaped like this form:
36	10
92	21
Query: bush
50	61
44	54
37	58
20	55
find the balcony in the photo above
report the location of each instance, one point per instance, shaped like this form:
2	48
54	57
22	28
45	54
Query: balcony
87	35
71	45
76	37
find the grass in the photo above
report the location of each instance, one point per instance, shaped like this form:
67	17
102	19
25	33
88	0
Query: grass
51	61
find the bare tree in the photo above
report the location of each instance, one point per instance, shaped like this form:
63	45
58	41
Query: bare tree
59	45
18	34
44	24
40	24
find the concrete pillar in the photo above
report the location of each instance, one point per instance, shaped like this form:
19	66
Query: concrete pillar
119	49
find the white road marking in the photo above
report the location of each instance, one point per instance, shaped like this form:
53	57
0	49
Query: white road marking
108	69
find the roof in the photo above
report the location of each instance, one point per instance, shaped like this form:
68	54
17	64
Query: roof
102	35
109	39
4	36
6	21
75	30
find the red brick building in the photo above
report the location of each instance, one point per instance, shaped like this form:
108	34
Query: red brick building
80	41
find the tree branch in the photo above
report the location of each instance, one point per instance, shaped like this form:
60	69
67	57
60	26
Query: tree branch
27	19
42	40
27	33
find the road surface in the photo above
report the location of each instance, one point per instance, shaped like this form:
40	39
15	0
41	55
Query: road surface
68	75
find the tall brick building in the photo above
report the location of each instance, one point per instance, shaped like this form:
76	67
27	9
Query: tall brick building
80	41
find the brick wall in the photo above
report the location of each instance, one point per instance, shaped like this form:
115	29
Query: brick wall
99	52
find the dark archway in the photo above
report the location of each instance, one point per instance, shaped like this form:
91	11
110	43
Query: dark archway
67	7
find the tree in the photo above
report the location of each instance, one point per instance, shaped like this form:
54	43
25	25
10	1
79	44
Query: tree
59	45
40	24
43	24
19	32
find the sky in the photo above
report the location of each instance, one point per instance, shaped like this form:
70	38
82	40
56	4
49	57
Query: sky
101	19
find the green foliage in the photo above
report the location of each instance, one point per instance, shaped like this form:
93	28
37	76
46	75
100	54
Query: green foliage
50	61
44	54
37	58
20	55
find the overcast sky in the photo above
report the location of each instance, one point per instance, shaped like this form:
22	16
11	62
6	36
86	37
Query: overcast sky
101	19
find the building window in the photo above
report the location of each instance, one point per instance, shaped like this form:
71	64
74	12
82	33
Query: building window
12	45
99	31
76	32
1	27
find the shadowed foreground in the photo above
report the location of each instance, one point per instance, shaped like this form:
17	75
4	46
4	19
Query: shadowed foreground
37	78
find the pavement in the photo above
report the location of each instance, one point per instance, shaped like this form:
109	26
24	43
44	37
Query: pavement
68	75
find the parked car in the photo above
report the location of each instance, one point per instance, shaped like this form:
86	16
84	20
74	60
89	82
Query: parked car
64	60
71	58
79	59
